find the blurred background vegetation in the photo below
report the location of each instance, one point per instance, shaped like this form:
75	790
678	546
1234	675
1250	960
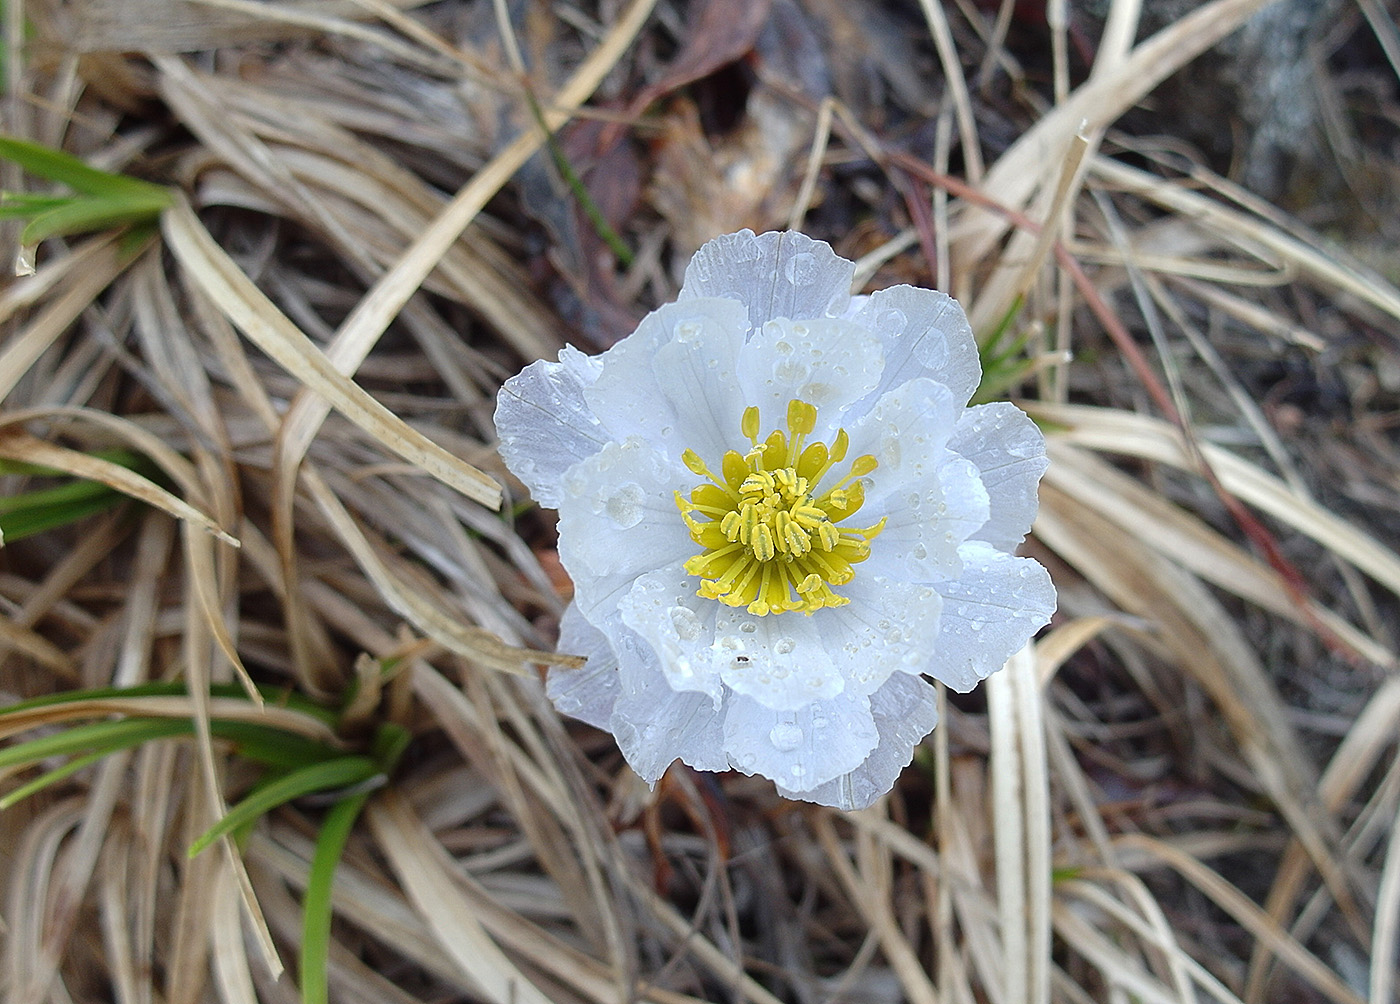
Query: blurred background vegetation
274	613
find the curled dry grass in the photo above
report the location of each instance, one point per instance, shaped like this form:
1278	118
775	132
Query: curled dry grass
1149	807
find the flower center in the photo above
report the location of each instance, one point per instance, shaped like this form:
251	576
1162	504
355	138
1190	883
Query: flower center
768	544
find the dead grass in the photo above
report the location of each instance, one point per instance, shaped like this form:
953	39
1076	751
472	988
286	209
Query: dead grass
1185	790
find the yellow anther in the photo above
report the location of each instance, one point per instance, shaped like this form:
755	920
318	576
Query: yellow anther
758	523
749	424
839	446
863	466
763	548
801	417
692	460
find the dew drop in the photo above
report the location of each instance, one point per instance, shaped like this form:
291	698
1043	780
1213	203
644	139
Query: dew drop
799	268
920	552
891	321
748	627
784	646
624	508
785	736
790	371
685	622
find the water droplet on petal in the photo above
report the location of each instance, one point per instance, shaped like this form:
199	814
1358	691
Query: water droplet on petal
785	736
624	507
799	268
784	646
685	622
891	321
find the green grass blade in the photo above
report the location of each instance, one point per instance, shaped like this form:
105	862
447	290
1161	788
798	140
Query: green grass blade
29	522
326	776
271	746
80	216
55	165
316	906
273	695
53	777
595	216
18	205
30	513
95	737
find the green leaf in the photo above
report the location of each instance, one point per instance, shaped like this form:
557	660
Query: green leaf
17	205
51	777
273	695
328	776
390	741
595	216
94	737
80	216
272	746
316	906
55	165
29	513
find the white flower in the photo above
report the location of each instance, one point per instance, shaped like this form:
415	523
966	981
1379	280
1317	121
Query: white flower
780	515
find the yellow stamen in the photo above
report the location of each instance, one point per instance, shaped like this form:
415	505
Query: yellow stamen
769	546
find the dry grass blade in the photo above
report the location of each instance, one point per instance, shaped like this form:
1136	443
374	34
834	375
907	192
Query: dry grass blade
210	267
375	230
1255	920
417	860
24	448
1151	439
81	276
1022	168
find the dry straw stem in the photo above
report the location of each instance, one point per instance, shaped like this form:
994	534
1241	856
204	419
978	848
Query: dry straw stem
219	277
491	870
1029	162
1147	438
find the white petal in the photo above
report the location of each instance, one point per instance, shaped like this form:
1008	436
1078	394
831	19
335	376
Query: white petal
672	382
1009	451
544	423
924	333
802	748
888	626
589	693
826	362
617	520
775	274
779	660
664	609
654	725
905	710
989	612
933	500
